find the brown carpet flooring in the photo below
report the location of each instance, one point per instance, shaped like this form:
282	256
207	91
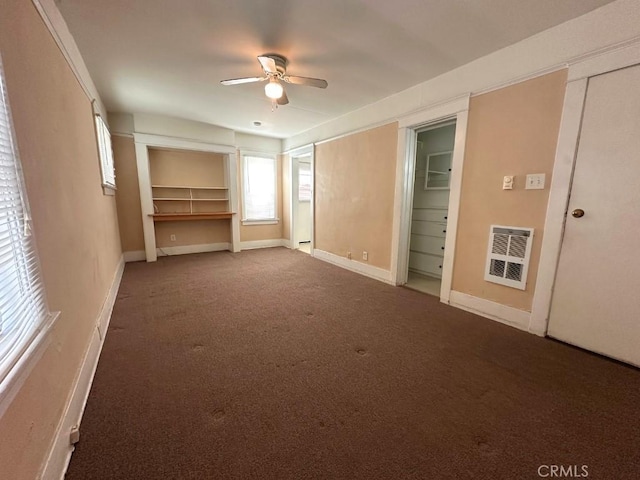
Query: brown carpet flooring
270	364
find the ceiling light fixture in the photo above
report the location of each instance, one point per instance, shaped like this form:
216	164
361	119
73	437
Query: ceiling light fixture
273	89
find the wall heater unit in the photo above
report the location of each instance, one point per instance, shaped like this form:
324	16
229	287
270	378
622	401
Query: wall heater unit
508	256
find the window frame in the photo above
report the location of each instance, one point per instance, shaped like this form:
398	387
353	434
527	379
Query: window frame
243	188
26	349
105	152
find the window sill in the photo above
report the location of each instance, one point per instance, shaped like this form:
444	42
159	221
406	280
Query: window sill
274	221
16	377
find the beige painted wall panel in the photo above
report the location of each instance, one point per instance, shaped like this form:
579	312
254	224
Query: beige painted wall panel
186	168
250	233
75	225
128	194
198	232
355	182
512	131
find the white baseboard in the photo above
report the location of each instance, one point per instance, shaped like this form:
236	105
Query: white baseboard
286	242
134	256
361	268
492	310
274	242
57	462
185	249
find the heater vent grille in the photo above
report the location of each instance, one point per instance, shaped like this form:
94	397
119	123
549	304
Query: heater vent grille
508	256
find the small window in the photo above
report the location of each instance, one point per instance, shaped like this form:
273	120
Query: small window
105	153
259	189
23	309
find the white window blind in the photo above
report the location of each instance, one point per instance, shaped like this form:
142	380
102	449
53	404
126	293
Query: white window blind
259	188
23	307
106	153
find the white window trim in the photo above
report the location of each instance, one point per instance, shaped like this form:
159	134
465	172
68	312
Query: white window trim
243	166
32	347
261	222
105	152
17	376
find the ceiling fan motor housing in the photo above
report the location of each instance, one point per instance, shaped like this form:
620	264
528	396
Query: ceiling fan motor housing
281	62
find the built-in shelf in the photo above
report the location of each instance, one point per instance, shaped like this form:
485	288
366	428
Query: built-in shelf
173	217
173	198
180	199
189	187
438	171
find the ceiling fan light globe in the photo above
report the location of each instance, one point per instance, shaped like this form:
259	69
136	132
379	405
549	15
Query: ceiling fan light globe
273	89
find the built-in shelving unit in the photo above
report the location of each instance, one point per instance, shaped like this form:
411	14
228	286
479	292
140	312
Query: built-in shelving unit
181	199
188	195
438	171
431	201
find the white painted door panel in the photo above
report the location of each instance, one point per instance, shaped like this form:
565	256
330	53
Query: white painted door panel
596	300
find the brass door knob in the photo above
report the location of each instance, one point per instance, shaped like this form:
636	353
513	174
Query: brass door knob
577	213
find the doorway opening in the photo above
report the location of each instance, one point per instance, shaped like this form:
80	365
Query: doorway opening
433	148
301	233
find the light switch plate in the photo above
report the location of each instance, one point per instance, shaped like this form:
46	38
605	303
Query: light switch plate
535	181
507	182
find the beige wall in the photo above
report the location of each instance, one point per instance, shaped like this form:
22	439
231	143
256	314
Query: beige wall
249	233
128	194
186	168
192	232
355	183
512	131
75	226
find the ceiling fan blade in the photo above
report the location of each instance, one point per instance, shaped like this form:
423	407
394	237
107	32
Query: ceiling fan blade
237	81
268	64
283	100
311	82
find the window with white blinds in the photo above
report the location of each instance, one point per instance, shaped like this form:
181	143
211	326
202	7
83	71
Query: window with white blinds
259	189
23	306
106	153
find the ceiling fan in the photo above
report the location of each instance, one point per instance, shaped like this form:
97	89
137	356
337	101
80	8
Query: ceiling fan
275	71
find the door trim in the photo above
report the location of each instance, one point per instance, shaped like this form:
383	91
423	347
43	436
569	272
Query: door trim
457	110
564	164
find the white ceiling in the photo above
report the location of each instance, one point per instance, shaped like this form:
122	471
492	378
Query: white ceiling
168	57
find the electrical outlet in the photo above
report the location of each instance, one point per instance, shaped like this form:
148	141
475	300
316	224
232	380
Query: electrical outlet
172	237
349	255
74	435
365	255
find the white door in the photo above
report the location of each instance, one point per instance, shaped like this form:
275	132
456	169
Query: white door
596	300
